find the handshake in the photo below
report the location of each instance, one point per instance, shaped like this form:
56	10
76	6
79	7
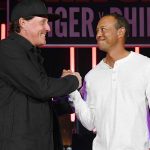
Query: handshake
69	72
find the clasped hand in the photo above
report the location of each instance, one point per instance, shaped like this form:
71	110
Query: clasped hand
69	72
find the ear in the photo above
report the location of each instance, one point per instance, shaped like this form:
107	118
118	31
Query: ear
22	22
121	32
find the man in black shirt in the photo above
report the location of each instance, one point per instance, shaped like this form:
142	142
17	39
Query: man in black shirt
26	115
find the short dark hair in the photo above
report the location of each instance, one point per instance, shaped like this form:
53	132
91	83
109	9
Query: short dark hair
14	25
121	22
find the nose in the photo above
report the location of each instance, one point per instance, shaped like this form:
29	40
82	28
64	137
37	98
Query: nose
98	34
48	28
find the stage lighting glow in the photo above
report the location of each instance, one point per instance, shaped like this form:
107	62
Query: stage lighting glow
3	31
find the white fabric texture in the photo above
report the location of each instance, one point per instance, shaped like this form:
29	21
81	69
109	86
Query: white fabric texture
116	103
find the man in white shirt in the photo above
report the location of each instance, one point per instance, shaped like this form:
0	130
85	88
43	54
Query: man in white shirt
116	91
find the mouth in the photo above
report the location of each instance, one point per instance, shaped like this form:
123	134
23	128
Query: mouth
99	41
43	35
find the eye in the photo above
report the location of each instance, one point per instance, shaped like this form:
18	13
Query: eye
43	22
103	29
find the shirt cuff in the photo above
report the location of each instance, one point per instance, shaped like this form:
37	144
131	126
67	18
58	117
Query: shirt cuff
74	96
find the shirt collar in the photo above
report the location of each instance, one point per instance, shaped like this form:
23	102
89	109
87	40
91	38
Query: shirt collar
118	61
21	40
27	45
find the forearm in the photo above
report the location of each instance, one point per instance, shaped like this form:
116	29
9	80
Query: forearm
82	110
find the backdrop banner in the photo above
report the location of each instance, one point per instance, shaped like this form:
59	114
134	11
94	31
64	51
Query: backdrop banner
79	19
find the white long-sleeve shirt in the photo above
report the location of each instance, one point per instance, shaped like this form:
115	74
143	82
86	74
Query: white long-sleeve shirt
116	103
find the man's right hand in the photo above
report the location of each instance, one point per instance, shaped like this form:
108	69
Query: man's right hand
69	72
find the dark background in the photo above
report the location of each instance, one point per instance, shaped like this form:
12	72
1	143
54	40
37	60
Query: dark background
58	58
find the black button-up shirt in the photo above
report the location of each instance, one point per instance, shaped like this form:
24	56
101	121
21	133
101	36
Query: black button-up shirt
25	92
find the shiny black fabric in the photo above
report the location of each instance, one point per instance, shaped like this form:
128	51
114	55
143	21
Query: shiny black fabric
26	113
